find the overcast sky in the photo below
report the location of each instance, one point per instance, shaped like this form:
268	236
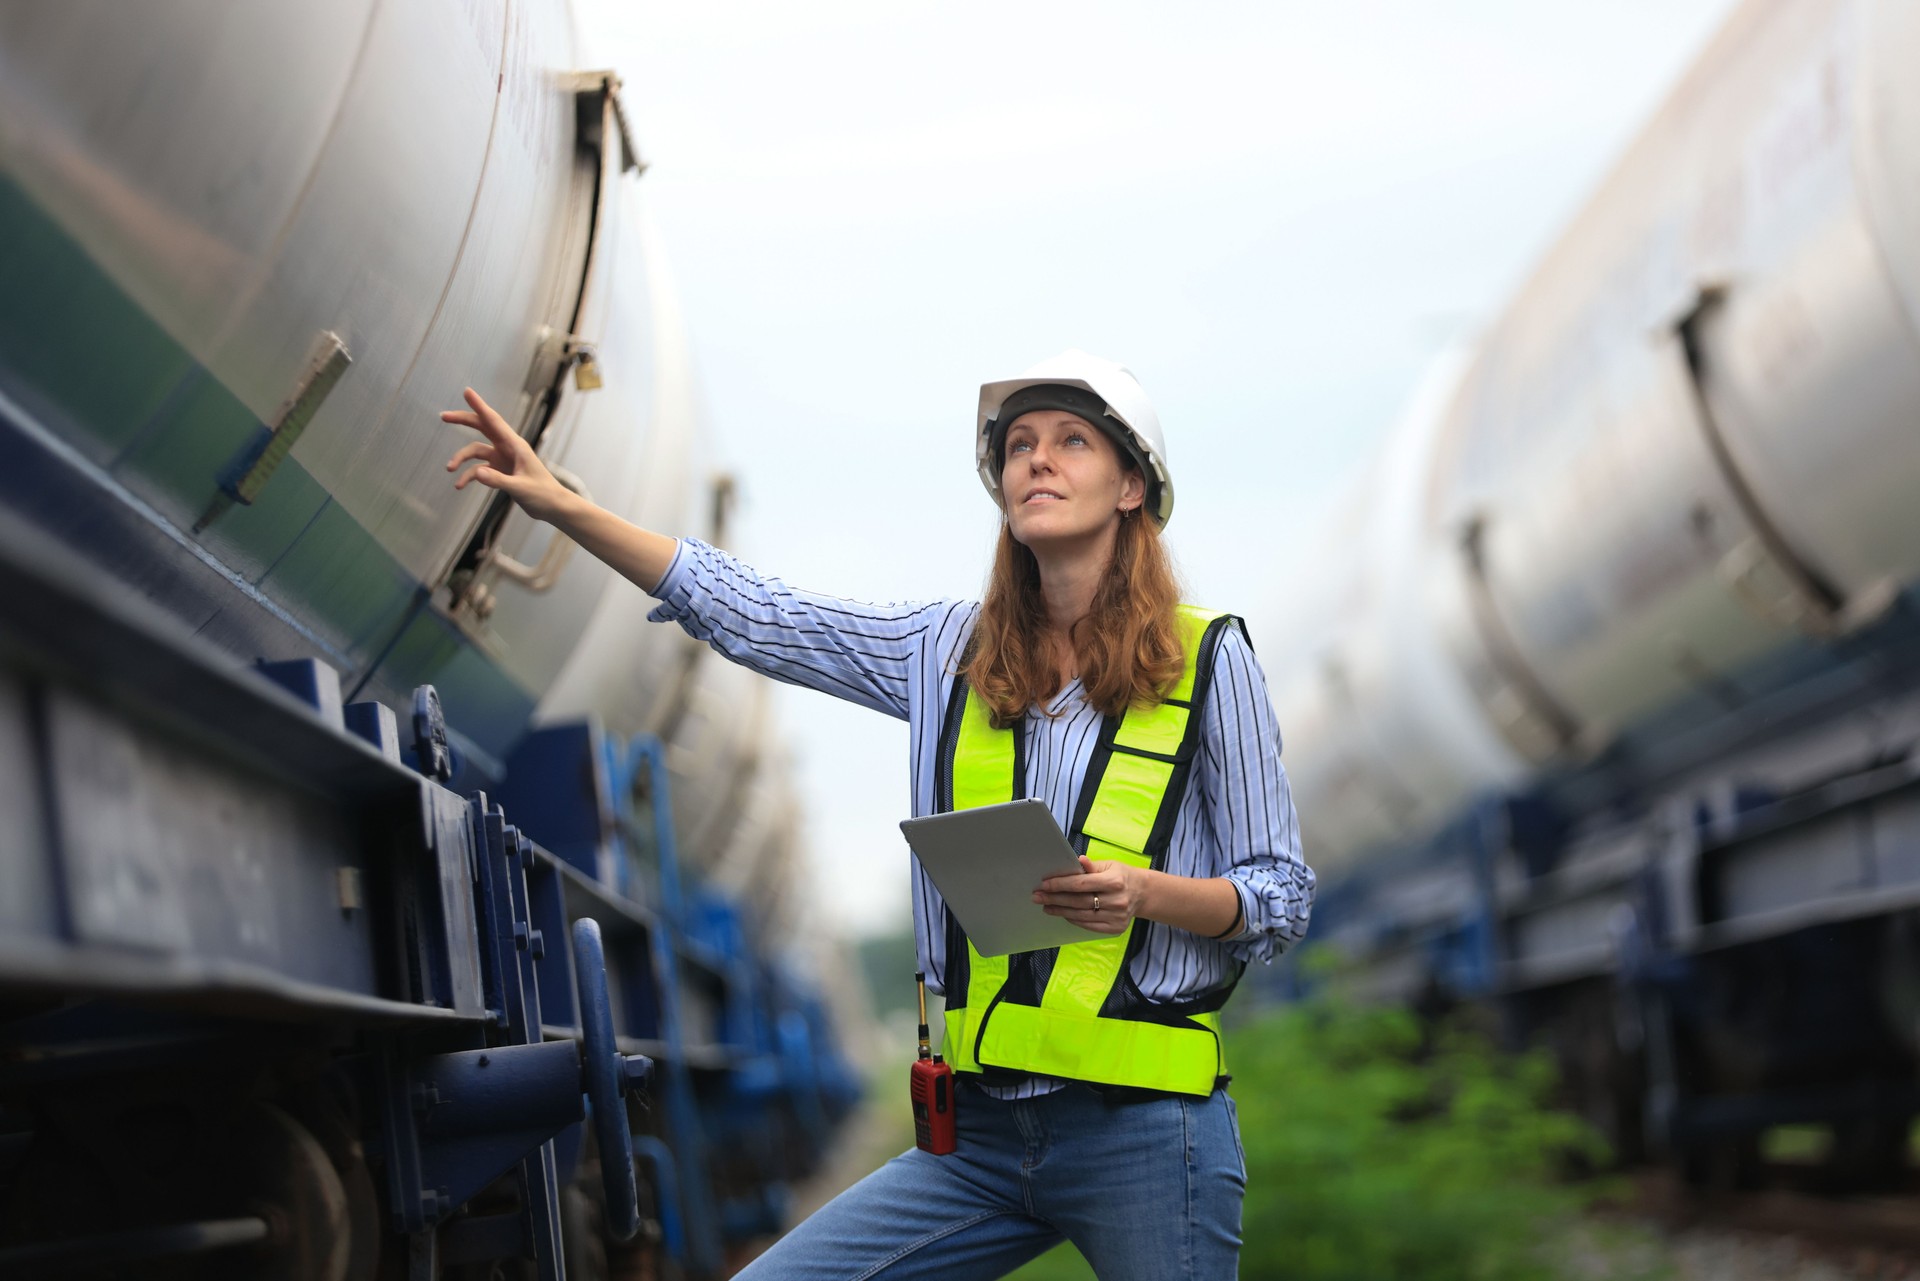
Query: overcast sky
1276	213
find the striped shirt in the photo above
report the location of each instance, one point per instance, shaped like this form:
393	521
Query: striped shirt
1235	821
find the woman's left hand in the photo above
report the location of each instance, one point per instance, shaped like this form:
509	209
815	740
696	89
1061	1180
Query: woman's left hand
1104	897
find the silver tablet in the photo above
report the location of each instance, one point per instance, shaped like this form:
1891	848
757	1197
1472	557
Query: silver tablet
988	862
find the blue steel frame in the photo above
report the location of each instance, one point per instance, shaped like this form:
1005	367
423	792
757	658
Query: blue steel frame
460	960
749	1081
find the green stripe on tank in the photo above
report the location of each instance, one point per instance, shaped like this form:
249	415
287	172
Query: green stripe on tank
132	399
175	464
99	373
71	334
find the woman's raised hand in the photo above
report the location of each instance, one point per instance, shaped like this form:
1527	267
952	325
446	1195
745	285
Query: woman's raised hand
506	462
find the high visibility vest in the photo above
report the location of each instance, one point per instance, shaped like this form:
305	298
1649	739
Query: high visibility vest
1074	1011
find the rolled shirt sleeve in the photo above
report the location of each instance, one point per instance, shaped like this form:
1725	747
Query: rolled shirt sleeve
1250	806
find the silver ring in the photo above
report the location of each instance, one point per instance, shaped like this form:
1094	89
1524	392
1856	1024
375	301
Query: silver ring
1096	902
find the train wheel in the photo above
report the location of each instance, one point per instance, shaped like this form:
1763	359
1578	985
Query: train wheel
240	1190
283	1174
331	1116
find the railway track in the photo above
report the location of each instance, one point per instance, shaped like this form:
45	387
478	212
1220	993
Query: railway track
1781	1230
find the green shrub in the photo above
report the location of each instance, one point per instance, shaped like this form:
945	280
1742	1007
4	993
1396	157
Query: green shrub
1378	1150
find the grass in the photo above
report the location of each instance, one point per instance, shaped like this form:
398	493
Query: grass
1062	1263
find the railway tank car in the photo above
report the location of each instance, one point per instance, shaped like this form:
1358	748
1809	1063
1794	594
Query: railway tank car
1608	704
378	892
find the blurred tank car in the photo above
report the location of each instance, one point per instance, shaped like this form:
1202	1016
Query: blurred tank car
1608	703
361	848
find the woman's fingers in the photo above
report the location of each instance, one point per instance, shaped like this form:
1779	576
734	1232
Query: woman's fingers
485	473
1072	898
1105	878
499	453
462	418
493	464
1106	920
1105	923
1077	904
1092	882
478	449
489	421
482	417
1110	895
505	462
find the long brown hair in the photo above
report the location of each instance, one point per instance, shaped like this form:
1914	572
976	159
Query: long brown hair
1127	646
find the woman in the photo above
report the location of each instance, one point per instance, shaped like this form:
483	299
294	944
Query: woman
1092	1103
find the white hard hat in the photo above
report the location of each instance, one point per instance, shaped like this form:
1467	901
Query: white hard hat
1117	405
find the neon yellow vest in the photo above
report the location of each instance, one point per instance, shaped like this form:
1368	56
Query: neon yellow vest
1074	1011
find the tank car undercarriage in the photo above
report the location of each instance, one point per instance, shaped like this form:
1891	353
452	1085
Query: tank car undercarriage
276	1000
1728	943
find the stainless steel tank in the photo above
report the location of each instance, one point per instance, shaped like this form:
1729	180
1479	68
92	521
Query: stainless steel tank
1690	444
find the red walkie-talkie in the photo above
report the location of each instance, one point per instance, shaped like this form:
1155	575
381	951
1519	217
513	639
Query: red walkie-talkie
931	1085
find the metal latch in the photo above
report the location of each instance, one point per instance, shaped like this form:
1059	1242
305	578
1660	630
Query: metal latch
479	595
603	117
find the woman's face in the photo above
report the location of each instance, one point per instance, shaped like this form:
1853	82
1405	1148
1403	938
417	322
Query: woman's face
1063	480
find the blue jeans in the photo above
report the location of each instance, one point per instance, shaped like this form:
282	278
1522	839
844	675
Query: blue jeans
1147	1190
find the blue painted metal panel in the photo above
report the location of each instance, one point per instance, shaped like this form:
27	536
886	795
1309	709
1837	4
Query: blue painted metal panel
557	789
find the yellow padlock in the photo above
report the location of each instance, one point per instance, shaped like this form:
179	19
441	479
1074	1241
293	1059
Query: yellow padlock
586	370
